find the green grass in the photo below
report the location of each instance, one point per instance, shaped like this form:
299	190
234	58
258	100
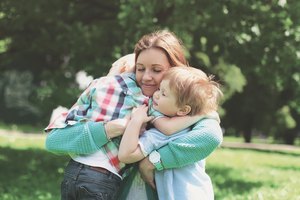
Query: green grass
21	128
22	141
29	172
260	140
250	174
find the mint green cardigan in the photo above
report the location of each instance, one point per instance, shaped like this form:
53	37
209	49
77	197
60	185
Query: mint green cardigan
88	137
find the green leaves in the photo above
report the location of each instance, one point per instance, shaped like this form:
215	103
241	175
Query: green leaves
251	46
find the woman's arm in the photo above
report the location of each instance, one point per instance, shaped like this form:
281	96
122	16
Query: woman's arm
85	137
196	145
80	138
171	125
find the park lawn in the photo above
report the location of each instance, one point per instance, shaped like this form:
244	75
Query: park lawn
29	172
257	175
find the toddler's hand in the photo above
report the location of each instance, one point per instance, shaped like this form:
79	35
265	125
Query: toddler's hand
140	113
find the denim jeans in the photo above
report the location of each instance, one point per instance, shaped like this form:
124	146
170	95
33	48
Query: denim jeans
81	182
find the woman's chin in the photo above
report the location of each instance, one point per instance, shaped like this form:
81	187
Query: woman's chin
148	92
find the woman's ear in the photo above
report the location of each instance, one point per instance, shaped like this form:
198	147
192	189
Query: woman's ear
185	110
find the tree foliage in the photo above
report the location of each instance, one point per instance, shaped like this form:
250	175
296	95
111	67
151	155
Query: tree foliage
251	46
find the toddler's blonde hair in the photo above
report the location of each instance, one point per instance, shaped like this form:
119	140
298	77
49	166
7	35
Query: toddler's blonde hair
194	88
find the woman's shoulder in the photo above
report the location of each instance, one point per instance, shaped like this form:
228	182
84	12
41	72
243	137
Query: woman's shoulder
209	126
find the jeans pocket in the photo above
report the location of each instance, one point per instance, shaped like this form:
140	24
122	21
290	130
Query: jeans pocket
87	193
103	191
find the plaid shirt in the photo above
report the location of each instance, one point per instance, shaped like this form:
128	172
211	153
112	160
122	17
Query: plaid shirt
105	99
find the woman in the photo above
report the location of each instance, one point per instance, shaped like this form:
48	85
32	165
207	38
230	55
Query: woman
155	54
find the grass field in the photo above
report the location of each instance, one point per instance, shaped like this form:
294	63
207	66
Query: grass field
28	172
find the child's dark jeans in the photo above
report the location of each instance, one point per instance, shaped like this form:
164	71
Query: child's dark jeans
82	182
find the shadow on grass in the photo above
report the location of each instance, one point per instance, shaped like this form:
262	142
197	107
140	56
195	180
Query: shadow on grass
285	168
30	174
271	151
227	181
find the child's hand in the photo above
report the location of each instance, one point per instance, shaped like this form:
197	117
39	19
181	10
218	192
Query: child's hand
140	114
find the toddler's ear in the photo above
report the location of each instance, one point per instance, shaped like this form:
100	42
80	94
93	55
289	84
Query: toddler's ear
122	69
185	110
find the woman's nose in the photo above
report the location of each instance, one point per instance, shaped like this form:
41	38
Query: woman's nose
147	75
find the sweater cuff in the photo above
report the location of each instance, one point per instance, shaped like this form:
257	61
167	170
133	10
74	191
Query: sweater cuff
98	133
167	159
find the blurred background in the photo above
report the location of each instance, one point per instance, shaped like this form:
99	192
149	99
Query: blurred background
51	49
253	48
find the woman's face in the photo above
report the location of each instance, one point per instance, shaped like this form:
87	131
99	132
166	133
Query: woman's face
151	65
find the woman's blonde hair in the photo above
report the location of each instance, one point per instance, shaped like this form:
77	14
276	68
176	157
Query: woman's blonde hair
166	41
194	88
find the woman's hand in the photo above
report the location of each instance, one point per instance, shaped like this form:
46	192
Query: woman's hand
147	171
116	127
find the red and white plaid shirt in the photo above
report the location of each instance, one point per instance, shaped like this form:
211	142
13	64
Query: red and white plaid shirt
105	99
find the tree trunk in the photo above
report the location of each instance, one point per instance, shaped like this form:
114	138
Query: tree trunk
290	136
247	137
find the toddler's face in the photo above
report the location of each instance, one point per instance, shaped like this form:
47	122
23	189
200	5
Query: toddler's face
164	100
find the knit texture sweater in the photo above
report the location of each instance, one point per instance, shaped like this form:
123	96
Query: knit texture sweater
86	138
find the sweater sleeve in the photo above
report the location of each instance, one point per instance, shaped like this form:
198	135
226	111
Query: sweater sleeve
80	138
196	145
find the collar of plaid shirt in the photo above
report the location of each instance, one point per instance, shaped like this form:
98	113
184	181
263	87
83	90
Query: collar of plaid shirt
105	99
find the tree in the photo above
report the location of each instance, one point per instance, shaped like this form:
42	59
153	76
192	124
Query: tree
251	46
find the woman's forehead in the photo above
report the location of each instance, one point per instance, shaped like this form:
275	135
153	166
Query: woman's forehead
153	56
